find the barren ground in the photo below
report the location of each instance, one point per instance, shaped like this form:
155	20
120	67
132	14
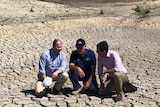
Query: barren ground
29	26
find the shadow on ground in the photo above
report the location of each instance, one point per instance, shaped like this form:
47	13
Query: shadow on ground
91	1
65	91
88	3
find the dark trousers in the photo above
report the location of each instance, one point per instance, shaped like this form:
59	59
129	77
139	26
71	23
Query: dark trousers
74	77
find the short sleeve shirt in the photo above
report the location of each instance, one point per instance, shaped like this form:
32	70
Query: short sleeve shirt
84	61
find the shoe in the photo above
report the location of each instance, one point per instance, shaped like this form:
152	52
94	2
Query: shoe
42	94
104	93
77	91
118	98
56	92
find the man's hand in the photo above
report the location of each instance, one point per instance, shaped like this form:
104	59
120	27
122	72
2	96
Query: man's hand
81	72
86	85
55	74
101	76
43	76
101	87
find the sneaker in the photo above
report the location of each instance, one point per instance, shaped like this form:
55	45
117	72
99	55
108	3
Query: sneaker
77	91
118	98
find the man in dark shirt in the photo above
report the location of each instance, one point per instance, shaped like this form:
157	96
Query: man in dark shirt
82	68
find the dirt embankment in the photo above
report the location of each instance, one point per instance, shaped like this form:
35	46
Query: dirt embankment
32	11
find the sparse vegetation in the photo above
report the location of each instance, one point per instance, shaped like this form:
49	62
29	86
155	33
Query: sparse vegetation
31	10
101	12
142	11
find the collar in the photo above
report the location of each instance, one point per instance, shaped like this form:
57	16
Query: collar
85	53
52	51
108	54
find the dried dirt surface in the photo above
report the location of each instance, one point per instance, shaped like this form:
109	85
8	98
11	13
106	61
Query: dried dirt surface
27	27
32	11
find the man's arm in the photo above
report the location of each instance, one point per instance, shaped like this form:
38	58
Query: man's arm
101	76
78	69
61	67
101	81
87	84
72	65
118	64
55	74
93	67
42	63
109	71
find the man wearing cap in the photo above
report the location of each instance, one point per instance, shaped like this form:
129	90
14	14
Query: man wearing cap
52	65
82	68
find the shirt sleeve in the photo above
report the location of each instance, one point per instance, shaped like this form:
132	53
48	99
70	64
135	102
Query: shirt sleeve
118	62
42	64
72	57
63	59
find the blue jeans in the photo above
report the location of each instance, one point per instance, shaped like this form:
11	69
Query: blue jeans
74	77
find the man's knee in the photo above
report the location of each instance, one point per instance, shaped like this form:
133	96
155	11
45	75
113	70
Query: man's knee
39	88
73	73
117	74
121	75
65	75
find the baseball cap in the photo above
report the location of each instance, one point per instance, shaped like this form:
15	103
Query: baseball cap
80	43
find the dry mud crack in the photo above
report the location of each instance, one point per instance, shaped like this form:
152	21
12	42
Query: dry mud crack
22	41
